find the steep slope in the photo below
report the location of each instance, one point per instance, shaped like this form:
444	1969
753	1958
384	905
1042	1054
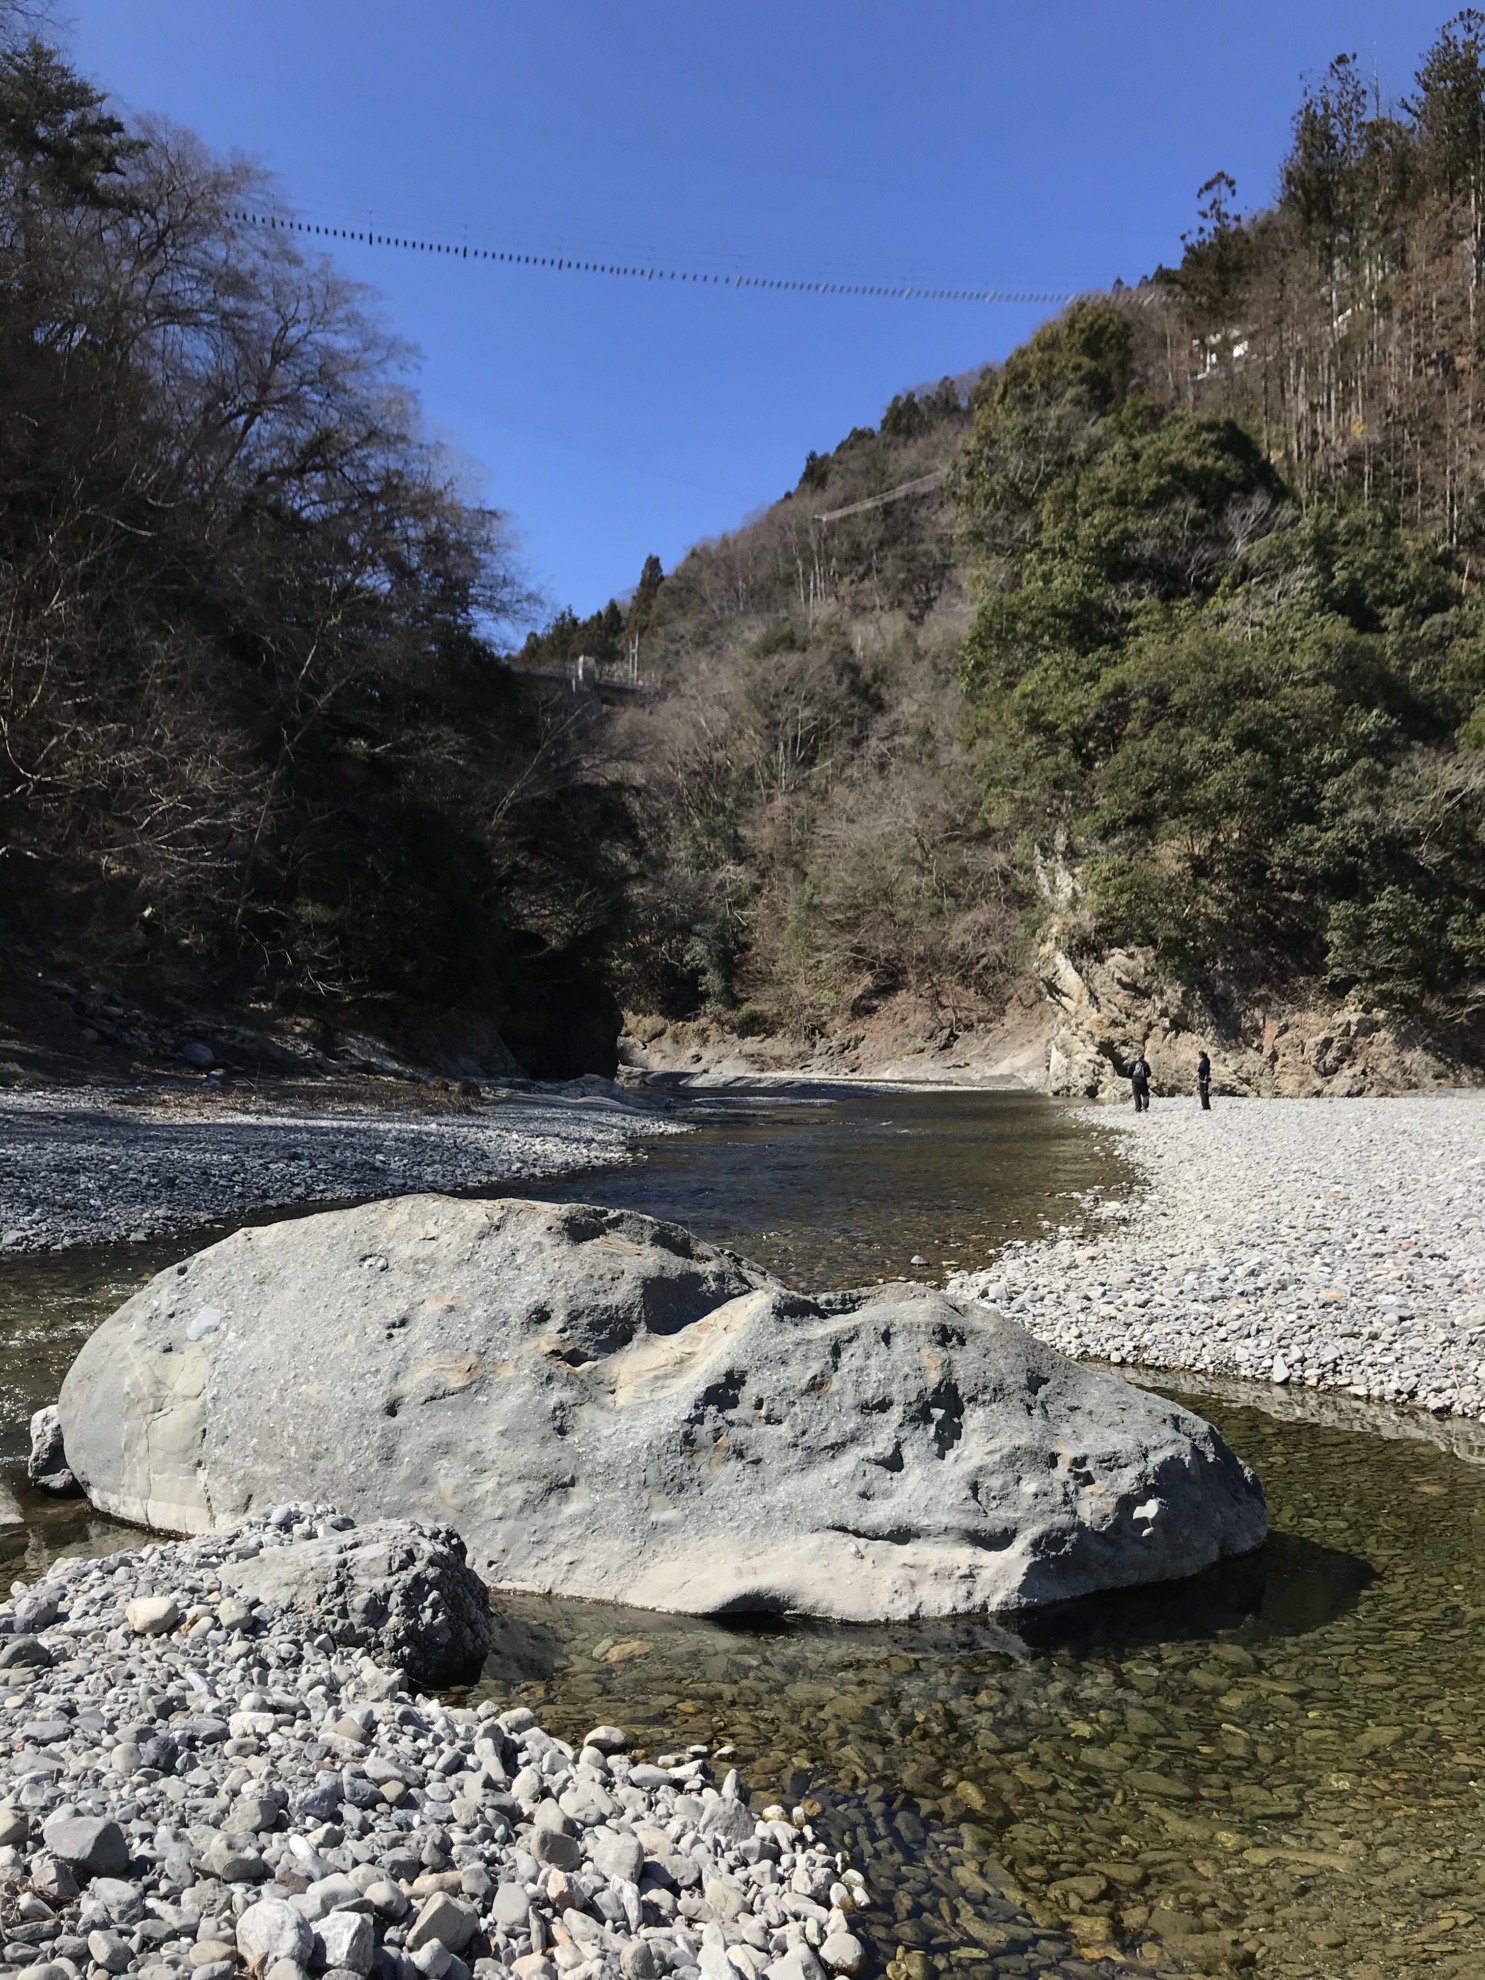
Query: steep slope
1146	699
807	791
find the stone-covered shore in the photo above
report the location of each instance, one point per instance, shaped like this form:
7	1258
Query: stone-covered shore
198	1782
1334	1244
103	1166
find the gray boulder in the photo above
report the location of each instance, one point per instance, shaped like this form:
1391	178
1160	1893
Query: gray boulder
606	1407
90	1846
398	1590
271	1930
47	1466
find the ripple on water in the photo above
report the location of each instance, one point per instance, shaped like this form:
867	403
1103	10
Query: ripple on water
836	1186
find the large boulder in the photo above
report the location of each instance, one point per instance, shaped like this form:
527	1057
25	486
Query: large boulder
606	1407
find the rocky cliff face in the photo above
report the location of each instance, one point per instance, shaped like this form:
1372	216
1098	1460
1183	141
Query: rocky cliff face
1103	1013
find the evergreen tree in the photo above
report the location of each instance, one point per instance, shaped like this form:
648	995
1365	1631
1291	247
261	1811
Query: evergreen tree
1214	267
54	131
642	605
1448	110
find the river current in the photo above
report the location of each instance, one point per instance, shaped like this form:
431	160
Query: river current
1276	1768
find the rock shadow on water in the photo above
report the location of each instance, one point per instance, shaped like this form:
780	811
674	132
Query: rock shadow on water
1289	1586
523	1649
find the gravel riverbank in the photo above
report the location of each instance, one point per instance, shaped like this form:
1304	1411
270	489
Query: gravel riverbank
1338	1244
195	1782
98	1167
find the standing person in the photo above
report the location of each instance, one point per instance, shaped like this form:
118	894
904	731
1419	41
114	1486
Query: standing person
1204	1081
1139	1079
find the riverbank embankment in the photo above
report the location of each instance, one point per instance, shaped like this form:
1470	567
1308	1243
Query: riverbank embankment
96	1166
1335	1245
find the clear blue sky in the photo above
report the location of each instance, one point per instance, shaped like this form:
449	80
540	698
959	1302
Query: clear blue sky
947	142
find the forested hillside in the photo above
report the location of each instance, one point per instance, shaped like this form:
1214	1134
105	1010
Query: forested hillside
258	754
803	781
1163	638
808	794
1182	653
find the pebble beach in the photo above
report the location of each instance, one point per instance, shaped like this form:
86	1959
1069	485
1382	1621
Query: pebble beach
195	1784
86	1167
1325	1244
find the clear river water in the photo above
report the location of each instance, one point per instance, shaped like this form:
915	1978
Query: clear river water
1277	1768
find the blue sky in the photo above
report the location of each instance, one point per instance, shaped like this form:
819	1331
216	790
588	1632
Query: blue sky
1048	144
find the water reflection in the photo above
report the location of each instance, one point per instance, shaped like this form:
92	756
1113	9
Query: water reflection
54	1527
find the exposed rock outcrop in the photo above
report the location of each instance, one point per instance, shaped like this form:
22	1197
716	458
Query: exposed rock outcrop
609	1408
1073	1030
1108	1011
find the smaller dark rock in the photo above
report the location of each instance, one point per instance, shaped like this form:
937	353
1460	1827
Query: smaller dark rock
27	1650
323	1800
398	1589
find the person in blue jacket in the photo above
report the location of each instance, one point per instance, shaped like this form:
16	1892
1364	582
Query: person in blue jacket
1204	1081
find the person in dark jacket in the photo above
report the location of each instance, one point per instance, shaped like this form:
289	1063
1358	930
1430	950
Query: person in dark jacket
1204	1081
1139	1079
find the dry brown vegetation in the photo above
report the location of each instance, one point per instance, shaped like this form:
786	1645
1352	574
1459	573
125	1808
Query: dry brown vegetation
807	794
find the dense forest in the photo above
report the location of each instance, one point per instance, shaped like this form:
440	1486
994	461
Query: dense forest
1172	639
258	750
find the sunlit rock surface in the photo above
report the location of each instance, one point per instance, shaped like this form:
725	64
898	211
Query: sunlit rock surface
606	1407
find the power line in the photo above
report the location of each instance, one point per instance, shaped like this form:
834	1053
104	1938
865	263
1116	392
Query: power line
568	264
919	487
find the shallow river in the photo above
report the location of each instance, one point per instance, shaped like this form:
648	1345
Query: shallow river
1279	1768
832	1187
